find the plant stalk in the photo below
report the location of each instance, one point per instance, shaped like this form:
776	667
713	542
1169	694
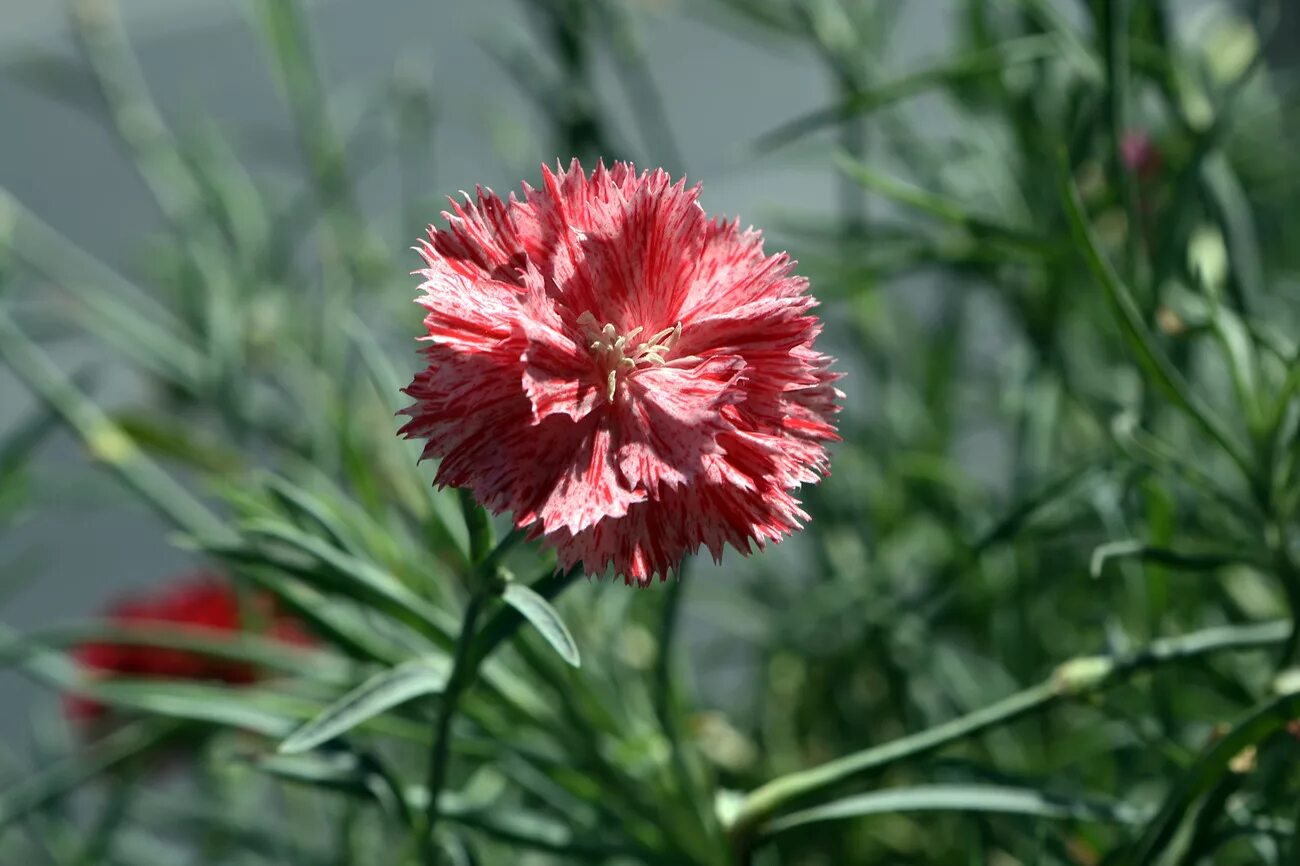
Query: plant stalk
463	669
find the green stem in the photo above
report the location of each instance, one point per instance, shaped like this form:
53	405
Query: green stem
462	674
465	662
477	525
1075	677
1289	575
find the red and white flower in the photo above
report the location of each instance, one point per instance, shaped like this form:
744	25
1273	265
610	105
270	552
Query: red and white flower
629	378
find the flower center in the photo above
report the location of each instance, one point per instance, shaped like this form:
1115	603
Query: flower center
617	354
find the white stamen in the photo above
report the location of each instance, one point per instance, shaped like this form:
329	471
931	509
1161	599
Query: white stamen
611	349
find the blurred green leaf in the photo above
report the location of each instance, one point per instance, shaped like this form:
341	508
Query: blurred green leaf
122	315
1208	769
345	771
50	783
1026	50
177	440
1185	560
360	577
318	664
1136	333
944	209
380	693
105	440
981	799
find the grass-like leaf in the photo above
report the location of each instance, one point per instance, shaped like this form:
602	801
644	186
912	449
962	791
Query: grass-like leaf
1029	802
1159	369
1017	52
545	619
1204	774
380	693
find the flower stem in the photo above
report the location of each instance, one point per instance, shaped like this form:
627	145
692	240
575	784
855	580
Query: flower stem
462	674
1071	679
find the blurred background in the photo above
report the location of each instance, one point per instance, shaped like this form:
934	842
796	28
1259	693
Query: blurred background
1001	437
61	157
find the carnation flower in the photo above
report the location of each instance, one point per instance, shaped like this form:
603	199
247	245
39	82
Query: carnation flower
628	377
202	602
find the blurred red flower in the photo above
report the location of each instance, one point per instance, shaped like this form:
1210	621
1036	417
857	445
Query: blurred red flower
629	377
203	602
1141	155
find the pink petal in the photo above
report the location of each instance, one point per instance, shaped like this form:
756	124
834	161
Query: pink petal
672	417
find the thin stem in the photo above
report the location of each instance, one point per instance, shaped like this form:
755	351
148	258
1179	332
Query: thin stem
465	662
477	525
1114	35
853	141
1289	575
462	674
1075	677
663	682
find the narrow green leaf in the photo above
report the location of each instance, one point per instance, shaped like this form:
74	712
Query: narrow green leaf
942	208
538	831
249	648
544	618
121	314
344	771
105	439
1185	560
64	776
961	798
178	440
1015	52
301	503
1243	361
343	624
367	578
380	693
1071	678
1159	369
263	711
1204	775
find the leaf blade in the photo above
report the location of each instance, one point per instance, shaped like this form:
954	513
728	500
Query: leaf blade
538	611
380	693
979	798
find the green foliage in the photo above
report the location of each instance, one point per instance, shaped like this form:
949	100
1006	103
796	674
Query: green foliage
1044	612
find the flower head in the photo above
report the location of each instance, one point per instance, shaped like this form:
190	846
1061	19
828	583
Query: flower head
202	602
628	377
1141	155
